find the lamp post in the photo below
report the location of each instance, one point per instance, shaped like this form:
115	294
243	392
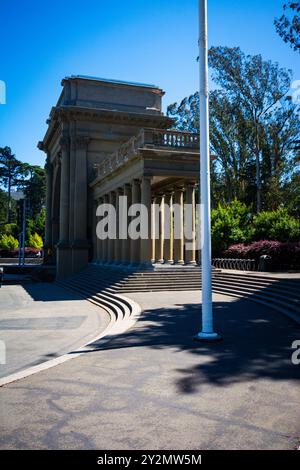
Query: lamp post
207	333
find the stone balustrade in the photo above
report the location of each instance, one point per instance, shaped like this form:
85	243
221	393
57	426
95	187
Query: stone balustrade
144	139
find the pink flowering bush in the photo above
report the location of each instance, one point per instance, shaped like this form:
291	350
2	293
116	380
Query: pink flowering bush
284	255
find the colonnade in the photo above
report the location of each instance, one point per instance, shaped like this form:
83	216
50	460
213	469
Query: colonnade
167	242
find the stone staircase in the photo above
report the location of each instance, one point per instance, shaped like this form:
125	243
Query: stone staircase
102	283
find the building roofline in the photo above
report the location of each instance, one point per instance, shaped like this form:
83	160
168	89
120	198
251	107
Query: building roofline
111	81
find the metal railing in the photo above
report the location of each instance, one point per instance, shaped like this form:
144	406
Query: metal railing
238	264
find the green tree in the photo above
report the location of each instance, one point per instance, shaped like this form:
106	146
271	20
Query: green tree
34	187
253	125
10	172
288	25
230	224
276	225
258	87
3	207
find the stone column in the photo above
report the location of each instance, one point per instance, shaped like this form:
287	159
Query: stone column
48	226
135	244
99	241
105	242
126	241
111	240
179	239
190	200
118	244
145	254
162	229
154	228
80	244
93	234
64	266
170	244
157	230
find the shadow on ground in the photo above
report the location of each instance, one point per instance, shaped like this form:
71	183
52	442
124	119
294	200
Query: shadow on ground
49	292
256	342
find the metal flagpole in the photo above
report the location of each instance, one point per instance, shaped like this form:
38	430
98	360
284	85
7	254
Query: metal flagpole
207	333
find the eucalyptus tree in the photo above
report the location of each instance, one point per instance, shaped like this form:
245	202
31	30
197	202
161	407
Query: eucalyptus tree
253	122
258	86
288	25
10	173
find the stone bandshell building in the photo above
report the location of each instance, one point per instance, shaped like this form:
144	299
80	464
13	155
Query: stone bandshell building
107	138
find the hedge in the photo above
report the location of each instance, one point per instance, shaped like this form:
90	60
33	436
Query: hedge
284	255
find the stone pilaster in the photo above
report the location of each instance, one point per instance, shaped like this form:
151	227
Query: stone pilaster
64	265
80	245
72	186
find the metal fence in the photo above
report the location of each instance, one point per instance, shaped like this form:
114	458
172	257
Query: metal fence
238	264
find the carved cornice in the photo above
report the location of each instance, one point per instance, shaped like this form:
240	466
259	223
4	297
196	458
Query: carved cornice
63	113
73	113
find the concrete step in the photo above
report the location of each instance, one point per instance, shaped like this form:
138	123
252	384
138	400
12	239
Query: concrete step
284	303
99	299
276	288
101	284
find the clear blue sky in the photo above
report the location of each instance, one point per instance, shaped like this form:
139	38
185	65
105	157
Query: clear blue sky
152	41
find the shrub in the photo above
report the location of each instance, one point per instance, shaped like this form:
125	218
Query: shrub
11	229
35	241
230	224
8	242
36	225
276	225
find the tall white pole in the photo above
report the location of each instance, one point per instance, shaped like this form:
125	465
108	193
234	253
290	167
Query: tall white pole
207	333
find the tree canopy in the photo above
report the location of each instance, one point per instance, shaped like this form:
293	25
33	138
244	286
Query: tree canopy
253	126
288	25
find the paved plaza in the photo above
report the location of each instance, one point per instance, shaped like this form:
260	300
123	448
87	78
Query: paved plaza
155	388
39	322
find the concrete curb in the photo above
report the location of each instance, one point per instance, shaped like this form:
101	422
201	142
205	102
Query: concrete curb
116	327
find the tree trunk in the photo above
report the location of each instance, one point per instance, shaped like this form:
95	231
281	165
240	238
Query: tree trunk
258	177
